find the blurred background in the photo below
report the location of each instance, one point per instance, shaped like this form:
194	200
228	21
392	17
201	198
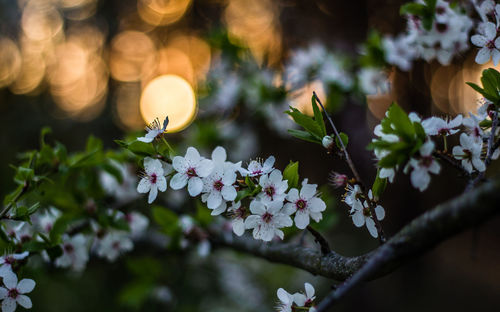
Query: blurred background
107	68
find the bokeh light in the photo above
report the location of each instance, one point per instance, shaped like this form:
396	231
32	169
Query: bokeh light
10	61
172	96
162	12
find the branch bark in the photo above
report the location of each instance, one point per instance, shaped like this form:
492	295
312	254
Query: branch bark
420	235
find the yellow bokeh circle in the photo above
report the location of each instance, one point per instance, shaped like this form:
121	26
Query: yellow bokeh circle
172	96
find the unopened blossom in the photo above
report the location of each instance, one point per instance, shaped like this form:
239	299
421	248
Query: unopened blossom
154	130
489	44
422	166
256	168
361	215
305	300
190	170
267	219
7	261
306	204
327	142
113	244
218	186
439	126
286	301
469	151
338	180
75	252
273	186
238	214
154	179
14	293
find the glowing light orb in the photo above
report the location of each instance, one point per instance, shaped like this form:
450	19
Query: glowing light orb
172	96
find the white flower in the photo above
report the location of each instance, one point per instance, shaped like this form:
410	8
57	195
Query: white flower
286	301
305	300
438	126
154	130
14	293
255	168
238	218
45	221
469	152
190	169
361	215
422	166
75	252
373	81
306	204
219	157
137	222
124	191
7	261
273	186
352	195
154	180
472	125
218	186
488	44
267	219
399	51
113	244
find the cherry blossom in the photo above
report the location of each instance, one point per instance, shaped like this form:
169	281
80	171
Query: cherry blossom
267	219
256	168
113	244
218	186
238	218
469	152
14	292
306	204
154	180
7	261
190	170
75	252
273	186
439	126
422	166
305	300
489	44
361	215
154	130
286	301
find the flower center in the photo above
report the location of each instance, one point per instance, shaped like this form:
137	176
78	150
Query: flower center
239	213
116	245
191	172
9	260
257	172
476	132
13	293
426	161
491	45
153	178
69	248
269	191
267	217
441	27
218	185
366	212
301	204
468	154
444	131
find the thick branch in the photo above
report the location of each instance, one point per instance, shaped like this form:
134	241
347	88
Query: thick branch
422	234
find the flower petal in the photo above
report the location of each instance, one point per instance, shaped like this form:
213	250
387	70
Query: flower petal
238	227
144	185
10	280
219	154
161	183
301	219
204	168
228	192
358	219
257	207
309	290
24	301
26	285
195	186
479	41
9	305
483	56
3	293
178	181
152	194
370	225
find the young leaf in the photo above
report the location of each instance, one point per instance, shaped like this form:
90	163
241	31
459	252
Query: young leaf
379	185
305	122
303	135
345	140
291	173
318	116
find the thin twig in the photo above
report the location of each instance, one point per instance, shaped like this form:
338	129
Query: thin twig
451	161
325	247
378	225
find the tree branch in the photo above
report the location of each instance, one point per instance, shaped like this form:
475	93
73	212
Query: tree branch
419	236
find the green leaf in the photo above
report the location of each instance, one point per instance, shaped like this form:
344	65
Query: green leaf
391	160
308	123
43	133
401	122
9	198
318	116
59	227
22	212
345	140
291	173
419	130
303	135
135	294
243	194
24	174
413	9
379	185
114	171
34	246
141	148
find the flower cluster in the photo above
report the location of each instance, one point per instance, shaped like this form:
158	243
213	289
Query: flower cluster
487	38
360	211
216	181
287	301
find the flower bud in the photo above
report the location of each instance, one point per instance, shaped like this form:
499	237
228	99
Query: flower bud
327	142
338	180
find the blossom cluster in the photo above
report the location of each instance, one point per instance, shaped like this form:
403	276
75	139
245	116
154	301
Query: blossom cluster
216	181
288	302
487	38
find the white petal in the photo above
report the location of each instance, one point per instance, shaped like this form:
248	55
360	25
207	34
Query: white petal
152	194
316	204
145	139
266	232
269	162
309	290
380	212
24	301
370	225
26	285
358	218
238	227
9	305
490	31
219	154
483	56
257	207
179	164
467	166
479	41
301	219
217	211
495	55
292	195
144	185
3	293
214	199
275	176
10	280
427	148
228	192
479	164
192	155
161	183
299	299
283	296
252	221
178	181
204	168
195	185
420	178
308	190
